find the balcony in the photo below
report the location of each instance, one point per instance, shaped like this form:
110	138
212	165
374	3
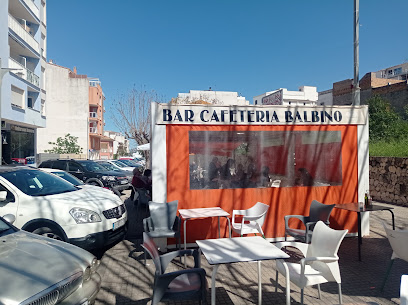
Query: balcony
23	34
93	115
24	73
31	5
93	130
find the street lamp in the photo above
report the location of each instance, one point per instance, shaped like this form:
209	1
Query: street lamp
3	72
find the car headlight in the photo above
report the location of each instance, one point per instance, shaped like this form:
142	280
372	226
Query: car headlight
109	178
82	215
90	269
94	265
87	274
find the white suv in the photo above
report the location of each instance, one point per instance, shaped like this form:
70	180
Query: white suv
45	204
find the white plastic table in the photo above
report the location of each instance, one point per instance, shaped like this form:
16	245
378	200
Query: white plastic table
187	214
240	249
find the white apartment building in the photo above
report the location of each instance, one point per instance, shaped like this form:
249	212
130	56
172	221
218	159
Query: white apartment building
212	97
23	32
118	139
74	106
306	96
399	72
67	108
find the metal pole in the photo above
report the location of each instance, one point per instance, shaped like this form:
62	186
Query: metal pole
356	86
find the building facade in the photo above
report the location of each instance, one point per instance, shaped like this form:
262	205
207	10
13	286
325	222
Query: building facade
306	96
106	148
399	72
96	121
23	32
226	98
390	83
74	106
119	142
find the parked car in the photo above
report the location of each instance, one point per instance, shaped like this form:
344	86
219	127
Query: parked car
39	270
92	173
130	163
136	160
119	165
74	180
45	204
113	167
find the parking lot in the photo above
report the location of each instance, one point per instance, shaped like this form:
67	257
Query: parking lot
127	281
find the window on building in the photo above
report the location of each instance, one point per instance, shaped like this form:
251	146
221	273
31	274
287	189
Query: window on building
398	71
17	97
30	102
256	159
43	107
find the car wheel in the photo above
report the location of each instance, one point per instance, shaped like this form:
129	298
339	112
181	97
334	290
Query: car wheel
95	182
50	233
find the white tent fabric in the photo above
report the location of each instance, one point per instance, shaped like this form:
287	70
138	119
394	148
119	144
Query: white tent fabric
144	147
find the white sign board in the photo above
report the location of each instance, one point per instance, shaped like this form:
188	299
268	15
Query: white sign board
260	115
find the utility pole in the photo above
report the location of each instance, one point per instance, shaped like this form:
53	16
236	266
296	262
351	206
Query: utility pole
356	85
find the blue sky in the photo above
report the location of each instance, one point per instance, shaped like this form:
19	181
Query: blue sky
250	47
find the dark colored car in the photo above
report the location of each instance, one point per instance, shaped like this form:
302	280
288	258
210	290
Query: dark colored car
90	172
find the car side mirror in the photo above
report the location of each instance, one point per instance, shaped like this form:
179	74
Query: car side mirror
3	195
10	218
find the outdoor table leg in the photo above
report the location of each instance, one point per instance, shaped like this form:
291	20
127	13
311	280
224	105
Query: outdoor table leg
360	240
185	242
213	275
393	222
259	284
229	226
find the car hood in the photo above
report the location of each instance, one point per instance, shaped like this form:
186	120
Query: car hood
93	188
89	198
30	263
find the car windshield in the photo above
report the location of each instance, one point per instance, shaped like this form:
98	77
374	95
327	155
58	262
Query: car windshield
5	228
129	163
92	166
72	179
109	166
37	183
119	163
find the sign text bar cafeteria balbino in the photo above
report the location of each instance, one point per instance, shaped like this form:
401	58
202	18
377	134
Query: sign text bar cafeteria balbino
260	115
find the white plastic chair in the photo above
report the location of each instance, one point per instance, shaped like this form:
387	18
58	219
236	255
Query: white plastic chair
404	290
252	219
399	243
320	263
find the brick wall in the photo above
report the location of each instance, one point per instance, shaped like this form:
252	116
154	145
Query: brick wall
389	180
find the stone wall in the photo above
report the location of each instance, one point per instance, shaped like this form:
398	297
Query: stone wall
388	180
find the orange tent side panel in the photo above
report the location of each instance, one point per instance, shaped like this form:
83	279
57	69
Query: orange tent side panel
283	200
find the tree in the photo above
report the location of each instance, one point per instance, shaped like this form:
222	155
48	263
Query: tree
131	115
121	151
385	123
67	145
